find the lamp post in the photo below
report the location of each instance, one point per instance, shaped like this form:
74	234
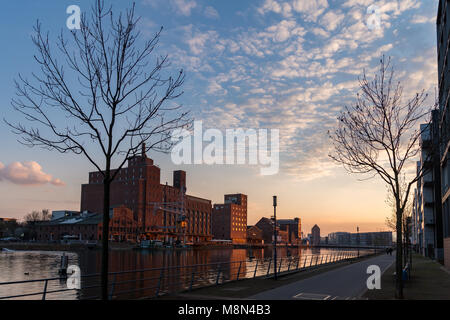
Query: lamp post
357	238
275	235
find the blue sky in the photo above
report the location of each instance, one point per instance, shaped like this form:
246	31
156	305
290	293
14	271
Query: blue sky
289	65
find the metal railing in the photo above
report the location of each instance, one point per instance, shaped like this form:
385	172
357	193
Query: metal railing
155	282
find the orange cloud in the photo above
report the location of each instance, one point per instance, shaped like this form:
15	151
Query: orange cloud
27	173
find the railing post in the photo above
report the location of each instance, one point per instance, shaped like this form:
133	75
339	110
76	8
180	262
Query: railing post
289	265
268	269
321	261
218	274
310	264
192	280
239	270
159	282
279	268
112	287
256	267
298	260
45	289
304	263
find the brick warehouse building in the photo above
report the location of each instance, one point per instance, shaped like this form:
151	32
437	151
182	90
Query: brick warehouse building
161	212
88	226
293	227
229	220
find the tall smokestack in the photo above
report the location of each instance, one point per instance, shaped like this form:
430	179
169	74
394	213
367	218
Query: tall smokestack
143	149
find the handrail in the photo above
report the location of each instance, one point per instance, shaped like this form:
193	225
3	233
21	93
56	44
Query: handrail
193	276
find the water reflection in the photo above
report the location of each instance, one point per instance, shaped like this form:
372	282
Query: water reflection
28	265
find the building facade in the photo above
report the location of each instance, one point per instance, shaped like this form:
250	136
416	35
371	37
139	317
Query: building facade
254	235
443	31
379	238
161	212
229	219
315	235
293	227
266	226
88	226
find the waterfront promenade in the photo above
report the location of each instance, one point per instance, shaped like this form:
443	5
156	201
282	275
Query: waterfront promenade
347	282
428	280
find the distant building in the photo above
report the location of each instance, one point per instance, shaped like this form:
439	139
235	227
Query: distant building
315	235
7	227
161	211
379	238
293	227
229	220
339	238
57	214
282	237
87	226
323	240
254	235
266	226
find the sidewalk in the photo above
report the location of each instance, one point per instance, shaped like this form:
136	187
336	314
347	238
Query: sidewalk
429	281
246	289
344	283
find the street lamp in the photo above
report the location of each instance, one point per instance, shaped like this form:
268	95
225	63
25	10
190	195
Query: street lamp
357	238
275	236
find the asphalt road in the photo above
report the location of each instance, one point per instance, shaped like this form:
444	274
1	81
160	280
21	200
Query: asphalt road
348	282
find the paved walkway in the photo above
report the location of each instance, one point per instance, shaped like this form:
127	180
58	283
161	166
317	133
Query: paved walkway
348	282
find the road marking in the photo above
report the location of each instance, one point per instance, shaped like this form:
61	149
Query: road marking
311	296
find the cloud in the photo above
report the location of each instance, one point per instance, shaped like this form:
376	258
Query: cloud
311	9
331	20
184	7
27	173
423	19
212	13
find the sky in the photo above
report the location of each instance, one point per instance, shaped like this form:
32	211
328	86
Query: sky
264	64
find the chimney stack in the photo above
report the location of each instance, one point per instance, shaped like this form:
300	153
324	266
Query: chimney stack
143	149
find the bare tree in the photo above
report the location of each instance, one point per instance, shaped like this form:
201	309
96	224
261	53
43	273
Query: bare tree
33	218
379	136
391	222
105	95
35	215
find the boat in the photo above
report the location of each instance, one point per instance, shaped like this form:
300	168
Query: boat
150	244
7	250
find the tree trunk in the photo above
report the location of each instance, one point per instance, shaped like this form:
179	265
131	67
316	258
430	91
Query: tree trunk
399	255
105	237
